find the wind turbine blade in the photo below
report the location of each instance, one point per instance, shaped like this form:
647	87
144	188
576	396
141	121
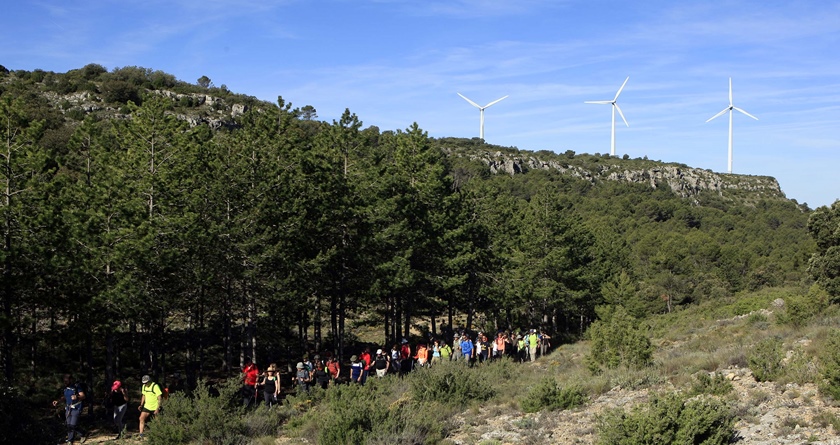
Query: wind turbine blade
748	114
495	101
473	103
622	87
598	102
719	114
730	91
620	113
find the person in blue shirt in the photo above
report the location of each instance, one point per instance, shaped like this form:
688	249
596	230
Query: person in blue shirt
356	369
466	348
73	398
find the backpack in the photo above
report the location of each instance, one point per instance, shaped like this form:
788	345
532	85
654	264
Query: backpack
381	361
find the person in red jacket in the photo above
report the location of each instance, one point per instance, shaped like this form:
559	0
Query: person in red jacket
249	387
366	360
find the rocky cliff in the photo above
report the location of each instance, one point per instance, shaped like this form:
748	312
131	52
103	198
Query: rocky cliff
684	181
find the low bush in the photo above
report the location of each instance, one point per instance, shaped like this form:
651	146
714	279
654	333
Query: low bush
549	395
716	385
765	360
451	383
829	358
669	419
200	417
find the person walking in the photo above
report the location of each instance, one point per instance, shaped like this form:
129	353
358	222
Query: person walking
533	343
119	401
302	378
270	383
381	363
334	368
249	383
150	401
73	396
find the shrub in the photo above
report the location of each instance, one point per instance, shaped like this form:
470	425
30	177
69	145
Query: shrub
706	384
669	419
450	383
830	366
19	421
801	308
618	341
200	417
765	361
549	395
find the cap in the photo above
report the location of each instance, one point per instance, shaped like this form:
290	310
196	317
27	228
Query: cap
378	351
117	384
299	365
404	341
145	379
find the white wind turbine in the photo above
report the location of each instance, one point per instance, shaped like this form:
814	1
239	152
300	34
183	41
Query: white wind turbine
481	131
615	106
729	110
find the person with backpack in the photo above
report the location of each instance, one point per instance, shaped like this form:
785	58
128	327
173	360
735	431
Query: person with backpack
405	357
356	369
303	378
367	360
320	376
150	400
118	399
533	343
334	368
249	383
395	358
381	363
73	396
445	352
467	349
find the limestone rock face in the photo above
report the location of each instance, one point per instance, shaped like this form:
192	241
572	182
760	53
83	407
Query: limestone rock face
683	181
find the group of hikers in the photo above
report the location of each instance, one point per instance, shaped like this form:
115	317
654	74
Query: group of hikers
313	371
400	360
75	399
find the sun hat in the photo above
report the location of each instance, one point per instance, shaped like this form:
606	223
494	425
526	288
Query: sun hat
145	379
354	358
117	384
299	365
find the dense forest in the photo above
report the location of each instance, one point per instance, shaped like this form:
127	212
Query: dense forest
152	225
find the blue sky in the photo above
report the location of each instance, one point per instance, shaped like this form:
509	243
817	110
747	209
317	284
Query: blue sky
395	62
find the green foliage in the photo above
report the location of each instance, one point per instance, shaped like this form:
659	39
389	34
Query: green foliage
717	385
669	419
451	383
550	395
200	417
120	91
824	266
829	358
801	308
617	341
765	360
371	415
20	418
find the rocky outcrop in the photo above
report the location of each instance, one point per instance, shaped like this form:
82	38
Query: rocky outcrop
683	181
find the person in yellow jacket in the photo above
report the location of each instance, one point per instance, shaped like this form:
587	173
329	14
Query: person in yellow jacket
149	401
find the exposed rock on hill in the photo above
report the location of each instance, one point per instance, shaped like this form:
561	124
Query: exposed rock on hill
682	180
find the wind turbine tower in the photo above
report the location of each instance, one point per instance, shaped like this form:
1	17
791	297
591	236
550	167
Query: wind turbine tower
729	110
481	109
615	107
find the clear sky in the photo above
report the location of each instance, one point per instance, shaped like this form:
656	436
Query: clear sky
395	62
